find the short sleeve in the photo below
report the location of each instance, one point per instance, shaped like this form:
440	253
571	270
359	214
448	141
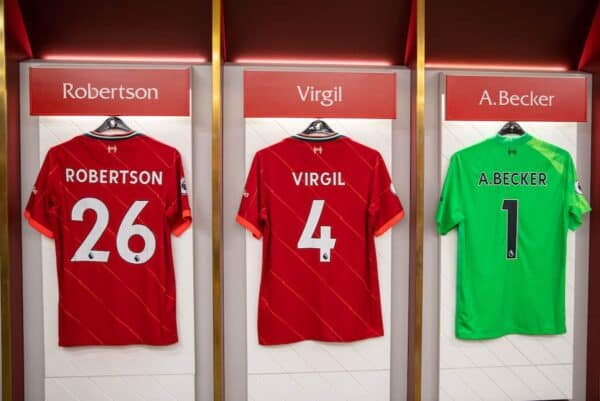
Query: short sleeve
385	208
450	213
42	208
251	213
179	215
576	204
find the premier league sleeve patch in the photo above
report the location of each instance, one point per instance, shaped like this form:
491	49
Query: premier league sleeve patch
183	186
578	188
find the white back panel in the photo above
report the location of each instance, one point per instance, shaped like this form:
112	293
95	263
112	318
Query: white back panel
512	367
310	370
105	373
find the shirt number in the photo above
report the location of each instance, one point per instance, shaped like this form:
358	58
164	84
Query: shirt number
512	208
324	243
86	251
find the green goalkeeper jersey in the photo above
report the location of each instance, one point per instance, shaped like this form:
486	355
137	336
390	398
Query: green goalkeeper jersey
512	200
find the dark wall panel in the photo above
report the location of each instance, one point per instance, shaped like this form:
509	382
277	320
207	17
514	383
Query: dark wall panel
315	29
176	28
535	32
17	48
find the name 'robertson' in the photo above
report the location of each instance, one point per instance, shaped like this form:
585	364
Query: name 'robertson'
90	92
110	176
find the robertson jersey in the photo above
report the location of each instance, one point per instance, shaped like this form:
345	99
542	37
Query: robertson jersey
317	204
512	200
111	204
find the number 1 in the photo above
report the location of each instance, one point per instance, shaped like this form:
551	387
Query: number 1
512	208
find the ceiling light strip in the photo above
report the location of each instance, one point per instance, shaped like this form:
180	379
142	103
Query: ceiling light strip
121	58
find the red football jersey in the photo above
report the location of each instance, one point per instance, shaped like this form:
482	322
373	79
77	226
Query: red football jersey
111	204
318	203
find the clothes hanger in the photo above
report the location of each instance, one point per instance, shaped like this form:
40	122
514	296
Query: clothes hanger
113	122
511	128
318	128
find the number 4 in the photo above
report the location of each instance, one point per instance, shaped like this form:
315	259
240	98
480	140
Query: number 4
324	243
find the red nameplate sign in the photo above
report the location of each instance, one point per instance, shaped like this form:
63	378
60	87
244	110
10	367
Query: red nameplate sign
489	98
319	94
109	91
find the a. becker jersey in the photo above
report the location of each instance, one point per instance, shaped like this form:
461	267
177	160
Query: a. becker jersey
318	203
512	200
111	204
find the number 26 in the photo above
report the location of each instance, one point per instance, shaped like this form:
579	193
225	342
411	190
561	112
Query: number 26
86	251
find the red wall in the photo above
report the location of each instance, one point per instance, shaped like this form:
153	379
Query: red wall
593	351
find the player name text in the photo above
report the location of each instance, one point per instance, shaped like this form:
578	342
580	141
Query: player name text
109	176
326	97
509	178
505	98
90	92
313	179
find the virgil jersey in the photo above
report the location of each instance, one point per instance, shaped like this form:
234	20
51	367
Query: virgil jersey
512	200
111	204
317	204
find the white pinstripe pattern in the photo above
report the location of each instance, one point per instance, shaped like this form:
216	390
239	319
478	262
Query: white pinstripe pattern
113	373
309	370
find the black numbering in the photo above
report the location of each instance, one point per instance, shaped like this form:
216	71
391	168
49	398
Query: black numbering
512	208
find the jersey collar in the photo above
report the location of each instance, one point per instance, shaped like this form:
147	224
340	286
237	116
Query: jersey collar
513	140
113	137
317	139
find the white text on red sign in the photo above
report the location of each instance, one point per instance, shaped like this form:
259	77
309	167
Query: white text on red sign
90	92
325	97
505	98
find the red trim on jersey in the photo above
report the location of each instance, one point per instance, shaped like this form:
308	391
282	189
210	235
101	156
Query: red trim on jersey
38	226
389	223
249	226
180	229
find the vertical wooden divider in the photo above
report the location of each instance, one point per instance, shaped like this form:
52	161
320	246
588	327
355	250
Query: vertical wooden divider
217	199
417	174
